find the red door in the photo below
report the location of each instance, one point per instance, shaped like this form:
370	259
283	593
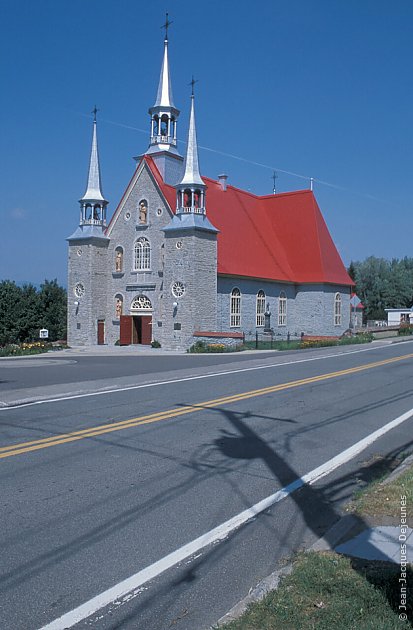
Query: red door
125	333
101	332
146	337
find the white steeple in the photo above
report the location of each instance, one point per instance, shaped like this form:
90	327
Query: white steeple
191	189
164	114
164	96
93	204
192	174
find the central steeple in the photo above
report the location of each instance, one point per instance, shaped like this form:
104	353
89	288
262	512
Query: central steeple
164	114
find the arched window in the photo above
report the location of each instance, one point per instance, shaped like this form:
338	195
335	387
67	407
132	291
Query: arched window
118	305
235	313
260	308
97	212
187	201
119	259
337	310
164	126
141	303
282	309
142	254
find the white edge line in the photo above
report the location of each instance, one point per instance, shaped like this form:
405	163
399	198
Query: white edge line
6	407
220	532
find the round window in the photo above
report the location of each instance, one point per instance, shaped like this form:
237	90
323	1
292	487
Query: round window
79	290
127	216
179	245
178	289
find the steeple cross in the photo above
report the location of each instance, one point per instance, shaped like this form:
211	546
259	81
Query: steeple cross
166	25
192	83
94	112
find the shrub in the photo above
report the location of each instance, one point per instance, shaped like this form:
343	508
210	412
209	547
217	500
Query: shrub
198	346
201	346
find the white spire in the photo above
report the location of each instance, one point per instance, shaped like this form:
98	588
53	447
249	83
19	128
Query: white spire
164	96
94	187
164	114
192	174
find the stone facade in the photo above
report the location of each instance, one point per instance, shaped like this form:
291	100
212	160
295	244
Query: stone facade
191	258
124	231
87	289
310	308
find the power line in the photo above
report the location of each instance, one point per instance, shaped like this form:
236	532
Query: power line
272	168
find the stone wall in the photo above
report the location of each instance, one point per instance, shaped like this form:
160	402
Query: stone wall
87	264
190	258
310	308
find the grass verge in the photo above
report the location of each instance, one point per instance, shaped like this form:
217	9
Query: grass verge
381	498
327	591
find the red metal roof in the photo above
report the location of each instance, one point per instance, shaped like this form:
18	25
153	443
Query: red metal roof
277	237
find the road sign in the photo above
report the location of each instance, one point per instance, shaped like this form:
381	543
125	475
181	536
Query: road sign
355	301
44	333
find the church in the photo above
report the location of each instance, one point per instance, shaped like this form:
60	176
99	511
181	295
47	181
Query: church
186	257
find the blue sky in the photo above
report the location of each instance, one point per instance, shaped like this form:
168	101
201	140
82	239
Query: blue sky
319	88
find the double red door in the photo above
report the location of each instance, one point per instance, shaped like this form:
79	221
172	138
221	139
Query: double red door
135	330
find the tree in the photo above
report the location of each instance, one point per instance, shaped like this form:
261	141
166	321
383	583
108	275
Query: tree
382	284
10	312
28	316
25	310
53	304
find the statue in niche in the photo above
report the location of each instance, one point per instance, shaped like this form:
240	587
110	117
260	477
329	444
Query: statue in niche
267	319
118	261
118	308
143	212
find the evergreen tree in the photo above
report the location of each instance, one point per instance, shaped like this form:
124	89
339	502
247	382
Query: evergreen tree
53	304
25	310
10	312
28	316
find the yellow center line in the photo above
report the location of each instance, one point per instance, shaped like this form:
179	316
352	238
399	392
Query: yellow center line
64	438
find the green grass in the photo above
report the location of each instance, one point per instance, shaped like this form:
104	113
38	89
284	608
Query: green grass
327	591
384	498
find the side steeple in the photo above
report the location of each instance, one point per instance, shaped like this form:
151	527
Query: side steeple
164	114
191	189
93	203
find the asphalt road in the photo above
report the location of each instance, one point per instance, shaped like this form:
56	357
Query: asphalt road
58	368
79	516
